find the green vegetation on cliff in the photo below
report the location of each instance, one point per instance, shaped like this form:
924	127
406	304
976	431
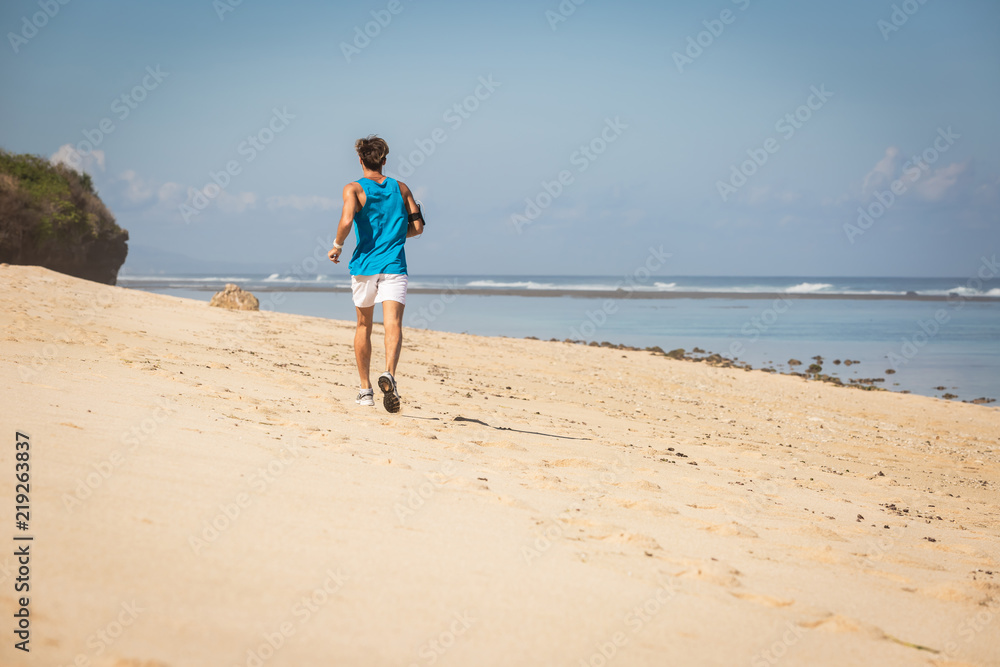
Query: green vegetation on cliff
51	216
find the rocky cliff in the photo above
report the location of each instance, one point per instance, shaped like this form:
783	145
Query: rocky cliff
50	216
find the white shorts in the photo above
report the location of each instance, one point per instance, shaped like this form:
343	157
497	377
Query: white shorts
369	290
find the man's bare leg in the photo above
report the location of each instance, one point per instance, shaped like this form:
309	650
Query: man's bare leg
363	345
392	315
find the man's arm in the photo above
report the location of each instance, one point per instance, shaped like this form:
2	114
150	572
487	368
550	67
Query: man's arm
416	227
351	206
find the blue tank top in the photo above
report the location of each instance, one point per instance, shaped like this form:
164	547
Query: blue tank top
380	230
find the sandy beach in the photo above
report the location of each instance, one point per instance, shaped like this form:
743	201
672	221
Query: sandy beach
205	491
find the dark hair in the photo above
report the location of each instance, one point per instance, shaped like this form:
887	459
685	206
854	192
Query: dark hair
372	151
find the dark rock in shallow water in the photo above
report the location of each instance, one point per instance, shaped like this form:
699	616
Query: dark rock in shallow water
949	396
890	371
836	362
982	401
794	362
815	368
676	354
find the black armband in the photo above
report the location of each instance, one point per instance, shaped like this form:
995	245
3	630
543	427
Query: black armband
419	215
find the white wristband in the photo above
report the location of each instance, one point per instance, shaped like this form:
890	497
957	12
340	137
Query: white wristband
337	247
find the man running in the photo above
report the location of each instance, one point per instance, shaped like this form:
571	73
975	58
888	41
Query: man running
384	214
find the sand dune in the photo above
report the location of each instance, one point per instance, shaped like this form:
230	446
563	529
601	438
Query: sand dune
206	492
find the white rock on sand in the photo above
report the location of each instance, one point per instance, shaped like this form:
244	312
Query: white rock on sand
234	297
204	487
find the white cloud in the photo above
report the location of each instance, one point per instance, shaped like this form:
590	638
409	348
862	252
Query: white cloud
171	193
300	203
882	173
130	190
937	185
767	196
927	184
236	203
136	191
82	162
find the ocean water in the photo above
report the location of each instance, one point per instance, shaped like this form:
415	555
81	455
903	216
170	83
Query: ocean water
939	335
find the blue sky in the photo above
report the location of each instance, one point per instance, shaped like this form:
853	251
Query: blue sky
647	111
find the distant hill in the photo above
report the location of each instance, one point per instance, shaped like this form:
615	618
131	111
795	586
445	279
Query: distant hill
51	216
144	260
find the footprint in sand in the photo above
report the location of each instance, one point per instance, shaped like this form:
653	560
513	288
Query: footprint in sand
639	485
836	623
540	480
503	444
825	533
637	540
653	507
763	600
732	529
712	572
577	463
